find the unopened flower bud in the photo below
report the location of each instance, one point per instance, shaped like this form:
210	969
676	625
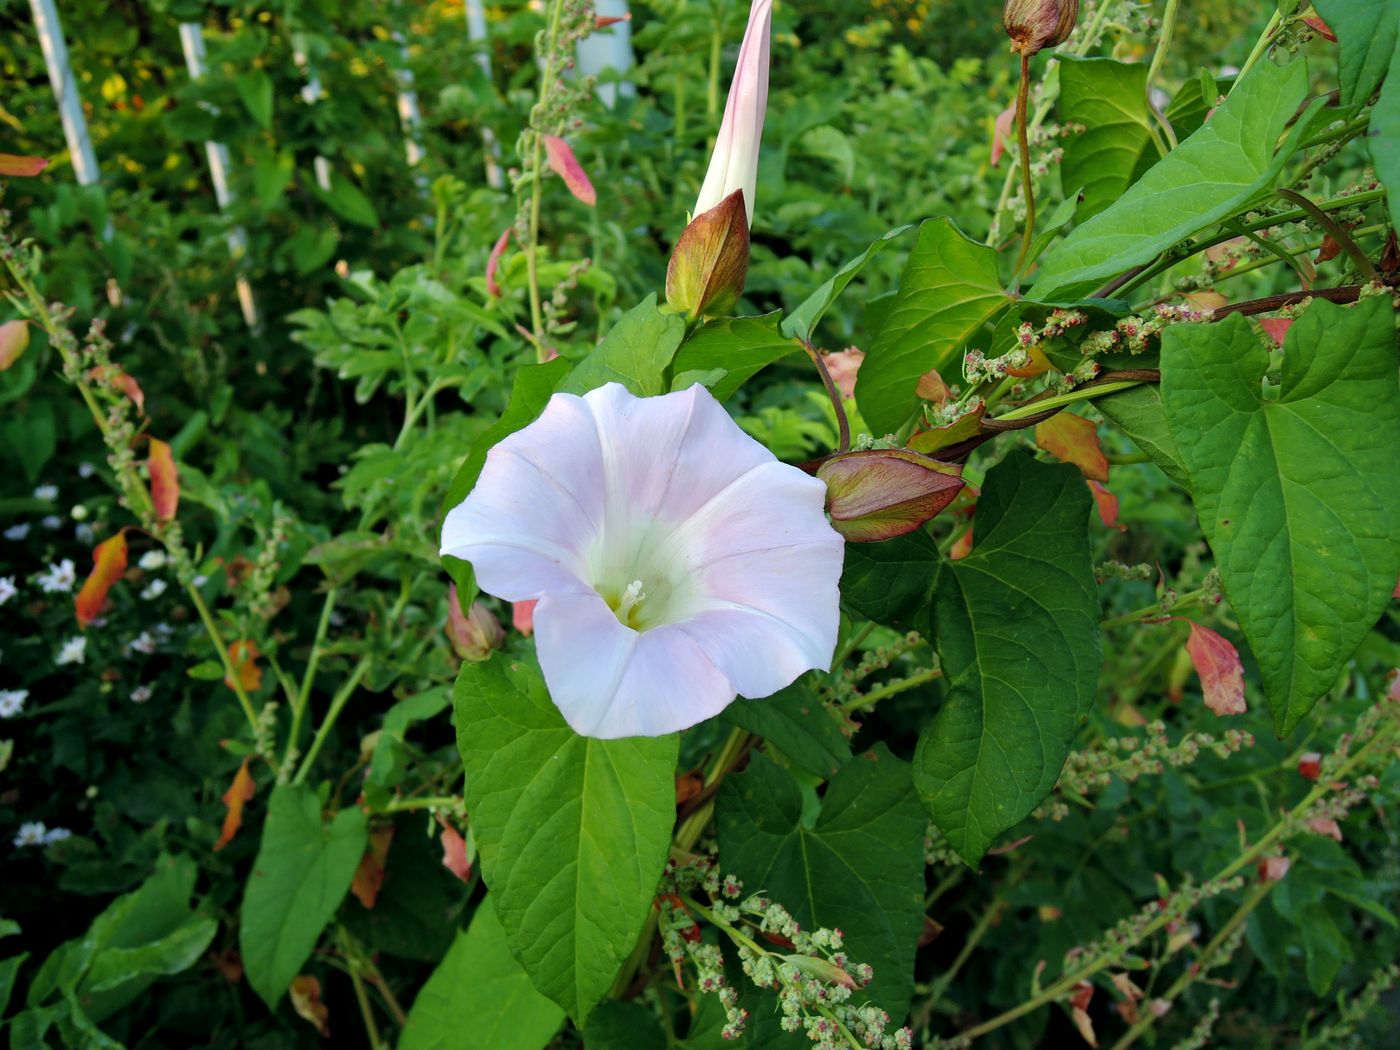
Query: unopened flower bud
879	494
1034	25
473	635
711	261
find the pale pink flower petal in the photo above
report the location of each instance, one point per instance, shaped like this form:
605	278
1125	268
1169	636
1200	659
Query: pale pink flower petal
493	264
843	368
734	163
675	561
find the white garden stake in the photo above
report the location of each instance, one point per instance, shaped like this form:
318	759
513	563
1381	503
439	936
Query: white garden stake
192	43
476	32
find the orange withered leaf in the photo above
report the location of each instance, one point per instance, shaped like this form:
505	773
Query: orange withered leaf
13	166
108	564
239	792
1107	505
305	993
1221	673
116	377
165	480
14	338
244	656
1073	439
369	876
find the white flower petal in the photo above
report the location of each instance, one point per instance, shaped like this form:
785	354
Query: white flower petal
609	681
666	457
757	653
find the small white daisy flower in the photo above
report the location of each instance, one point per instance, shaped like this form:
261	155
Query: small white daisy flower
154	589
152	560
85	534
74	651
31	833
56	835
140	694
51	522
142	643
59	578
12	702
47	493
7	589
86	470
17	532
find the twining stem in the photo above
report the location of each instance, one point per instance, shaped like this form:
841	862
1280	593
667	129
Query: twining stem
230	672
536	176
361	997
1260	46
1340	235
342	696
1153	611
889	689
1382	738
946	978
1164	43
400	805
1149	1017
842	424
1023	141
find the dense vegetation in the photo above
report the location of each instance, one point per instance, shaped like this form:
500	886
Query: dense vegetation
1107	751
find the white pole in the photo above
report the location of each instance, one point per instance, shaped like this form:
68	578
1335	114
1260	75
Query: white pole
609	48
476	32
65	90
311	93
192	43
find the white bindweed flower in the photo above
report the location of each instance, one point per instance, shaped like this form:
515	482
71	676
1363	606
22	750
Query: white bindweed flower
56	835
59	578
7	589
734	162
17	532
74	651
676	562
12	702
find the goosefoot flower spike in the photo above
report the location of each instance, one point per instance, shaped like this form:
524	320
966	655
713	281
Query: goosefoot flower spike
676	562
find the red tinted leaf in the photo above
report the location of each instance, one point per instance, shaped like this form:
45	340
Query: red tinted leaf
1322	27
1205	300
1107	504
1325	826
931	387
369	876
116	378
1218	665
21	167
962	547
1073	439
14	337
603	21
305	993
1276	327
1271	869
564	164
454	853
1330	250
1002	132
165	480
244	656
688	785
1310	766
239	792
493	264
108	564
